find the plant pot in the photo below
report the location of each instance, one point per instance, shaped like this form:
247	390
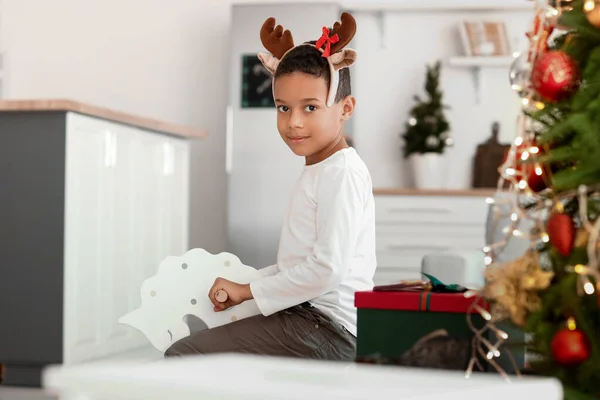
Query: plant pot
428	170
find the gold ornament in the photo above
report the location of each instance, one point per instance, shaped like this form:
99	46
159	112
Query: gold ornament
582	238
513	287
592	12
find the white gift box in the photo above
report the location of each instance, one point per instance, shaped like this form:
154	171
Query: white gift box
465	268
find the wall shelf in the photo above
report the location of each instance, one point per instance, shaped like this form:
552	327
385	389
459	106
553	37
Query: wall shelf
423	5
480	62
476	64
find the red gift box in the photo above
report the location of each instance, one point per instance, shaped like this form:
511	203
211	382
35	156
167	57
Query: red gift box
416	301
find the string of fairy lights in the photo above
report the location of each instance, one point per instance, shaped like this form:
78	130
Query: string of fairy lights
520	204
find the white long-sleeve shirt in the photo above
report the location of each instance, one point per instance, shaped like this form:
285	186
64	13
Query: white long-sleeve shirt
327	244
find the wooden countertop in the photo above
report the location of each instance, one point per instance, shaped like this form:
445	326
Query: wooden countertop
433	192
101	112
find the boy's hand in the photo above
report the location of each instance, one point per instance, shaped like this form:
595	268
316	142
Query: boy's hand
236	293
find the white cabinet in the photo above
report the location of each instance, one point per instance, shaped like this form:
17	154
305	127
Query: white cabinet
411	226
91	201
126	209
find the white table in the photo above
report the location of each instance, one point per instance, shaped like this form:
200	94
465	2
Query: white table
248	377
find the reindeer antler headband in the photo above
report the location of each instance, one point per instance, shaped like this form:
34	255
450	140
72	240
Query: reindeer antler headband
330	44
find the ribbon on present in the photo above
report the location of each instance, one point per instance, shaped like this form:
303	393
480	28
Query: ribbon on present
433	285
425	288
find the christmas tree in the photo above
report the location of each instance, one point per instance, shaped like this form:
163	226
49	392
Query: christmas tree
553	175
427	128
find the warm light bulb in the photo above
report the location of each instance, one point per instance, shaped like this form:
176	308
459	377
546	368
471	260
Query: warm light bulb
538	171
534	150
525	155
571	324
519	141
514	216
589	5
487	249
522	184
488	260
580	269
489	200
486	315
545	237
510	171
517	232
588	288
539	105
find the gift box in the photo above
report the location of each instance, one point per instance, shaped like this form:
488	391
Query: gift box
416	326
389	323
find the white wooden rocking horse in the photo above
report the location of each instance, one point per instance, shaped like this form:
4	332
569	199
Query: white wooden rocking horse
180	288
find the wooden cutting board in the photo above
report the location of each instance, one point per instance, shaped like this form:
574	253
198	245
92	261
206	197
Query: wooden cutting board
488	158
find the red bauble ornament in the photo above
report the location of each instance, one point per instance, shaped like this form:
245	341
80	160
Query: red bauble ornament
570	347
555	75
561	231
535	174
537	182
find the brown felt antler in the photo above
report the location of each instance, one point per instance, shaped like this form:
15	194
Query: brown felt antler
275	39
345	30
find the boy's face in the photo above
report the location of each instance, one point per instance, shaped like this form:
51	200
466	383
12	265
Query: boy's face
305	123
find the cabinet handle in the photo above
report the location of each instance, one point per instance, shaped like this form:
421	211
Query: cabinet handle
168	159
229	140
110	149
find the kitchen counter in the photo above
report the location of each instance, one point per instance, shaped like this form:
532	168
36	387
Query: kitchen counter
42	105
433	192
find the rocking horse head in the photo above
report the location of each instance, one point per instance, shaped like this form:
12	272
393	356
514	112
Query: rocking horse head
180	289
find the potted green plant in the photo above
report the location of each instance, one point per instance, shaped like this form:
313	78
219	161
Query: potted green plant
427	134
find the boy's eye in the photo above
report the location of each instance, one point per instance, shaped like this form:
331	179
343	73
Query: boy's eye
311	108
283	109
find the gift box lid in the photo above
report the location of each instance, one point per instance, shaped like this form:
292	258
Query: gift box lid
417	301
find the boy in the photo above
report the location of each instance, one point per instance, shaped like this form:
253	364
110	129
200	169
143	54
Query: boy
327	245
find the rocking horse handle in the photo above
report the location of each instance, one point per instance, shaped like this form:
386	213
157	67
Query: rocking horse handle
221	296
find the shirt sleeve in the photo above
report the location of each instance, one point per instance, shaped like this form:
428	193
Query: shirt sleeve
268	271
340	207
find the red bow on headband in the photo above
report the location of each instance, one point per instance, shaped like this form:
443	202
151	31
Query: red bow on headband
327	41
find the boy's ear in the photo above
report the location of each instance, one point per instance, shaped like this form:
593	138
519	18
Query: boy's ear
348	106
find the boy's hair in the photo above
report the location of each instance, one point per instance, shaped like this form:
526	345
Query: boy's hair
310	61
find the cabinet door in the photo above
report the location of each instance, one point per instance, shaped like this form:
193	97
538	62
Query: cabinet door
86	201
162	190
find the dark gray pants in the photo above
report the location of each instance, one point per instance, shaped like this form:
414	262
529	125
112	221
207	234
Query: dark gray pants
302	331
